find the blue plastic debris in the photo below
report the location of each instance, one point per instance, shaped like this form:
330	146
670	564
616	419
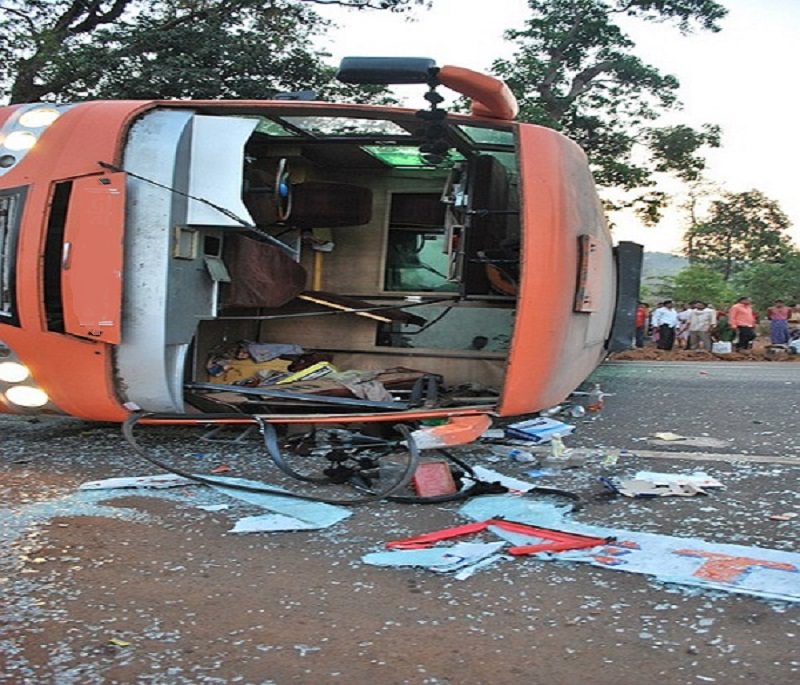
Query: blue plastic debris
285	513
766	573
539	430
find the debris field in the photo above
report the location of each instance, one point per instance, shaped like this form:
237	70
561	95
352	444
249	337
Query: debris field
201	584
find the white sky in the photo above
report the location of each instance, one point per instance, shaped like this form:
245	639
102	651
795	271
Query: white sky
742	78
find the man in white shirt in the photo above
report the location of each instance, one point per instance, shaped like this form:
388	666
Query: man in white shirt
701	321
665	319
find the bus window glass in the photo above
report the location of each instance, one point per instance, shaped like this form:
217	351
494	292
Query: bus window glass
475	328
488	136
11	202
405	156
416	261
53	255
416	252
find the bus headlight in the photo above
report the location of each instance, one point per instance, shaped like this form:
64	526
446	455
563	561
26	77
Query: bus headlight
19	140
39	117
26	396
20	393
23	128
13	372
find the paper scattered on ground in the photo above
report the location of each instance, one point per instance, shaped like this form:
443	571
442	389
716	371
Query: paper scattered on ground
542	473
767	573
213	507
510	482
444	559
119	643
668	437
647	488
687	441
164	480
655	484
699	479
271	523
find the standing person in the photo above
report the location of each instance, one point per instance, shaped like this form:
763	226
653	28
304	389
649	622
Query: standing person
665	319
682	332
651	326
712	311
794	320
723	330
743	320
642	319
701	321
778	315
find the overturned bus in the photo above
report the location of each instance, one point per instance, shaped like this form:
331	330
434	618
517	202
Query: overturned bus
296	261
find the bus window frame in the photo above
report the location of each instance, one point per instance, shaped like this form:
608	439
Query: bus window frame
9	245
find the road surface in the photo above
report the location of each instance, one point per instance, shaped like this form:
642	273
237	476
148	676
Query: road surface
148	588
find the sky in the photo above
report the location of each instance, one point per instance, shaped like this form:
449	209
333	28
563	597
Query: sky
742	78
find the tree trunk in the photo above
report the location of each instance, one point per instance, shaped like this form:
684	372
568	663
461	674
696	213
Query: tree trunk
24	88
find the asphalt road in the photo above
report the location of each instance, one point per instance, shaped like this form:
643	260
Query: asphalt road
754	408
145	587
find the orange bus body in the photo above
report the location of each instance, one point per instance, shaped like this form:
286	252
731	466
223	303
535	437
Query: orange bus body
74	183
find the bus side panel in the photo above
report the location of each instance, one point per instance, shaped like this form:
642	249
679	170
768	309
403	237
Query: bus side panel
76	373
554	348
92	258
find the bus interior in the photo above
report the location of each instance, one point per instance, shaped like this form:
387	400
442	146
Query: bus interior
318	260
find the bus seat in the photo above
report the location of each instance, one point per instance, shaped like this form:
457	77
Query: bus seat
315	204
262	275
318	204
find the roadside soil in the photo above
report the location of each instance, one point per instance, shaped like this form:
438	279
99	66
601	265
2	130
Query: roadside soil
760	352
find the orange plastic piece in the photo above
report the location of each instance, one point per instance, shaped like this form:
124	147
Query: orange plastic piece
558	541
490	96
459	430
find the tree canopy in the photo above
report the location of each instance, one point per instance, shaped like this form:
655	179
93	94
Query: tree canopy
741	228
765	282
78	49
575	70
698	282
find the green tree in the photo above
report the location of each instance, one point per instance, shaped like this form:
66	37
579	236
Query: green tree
698	282
765	282
575	70
657	289
76	49
741	228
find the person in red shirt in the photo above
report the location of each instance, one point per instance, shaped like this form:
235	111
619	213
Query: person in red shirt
778	315
742	319
642	318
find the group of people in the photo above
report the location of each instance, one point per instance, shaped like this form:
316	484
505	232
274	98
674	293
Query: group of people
698	325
